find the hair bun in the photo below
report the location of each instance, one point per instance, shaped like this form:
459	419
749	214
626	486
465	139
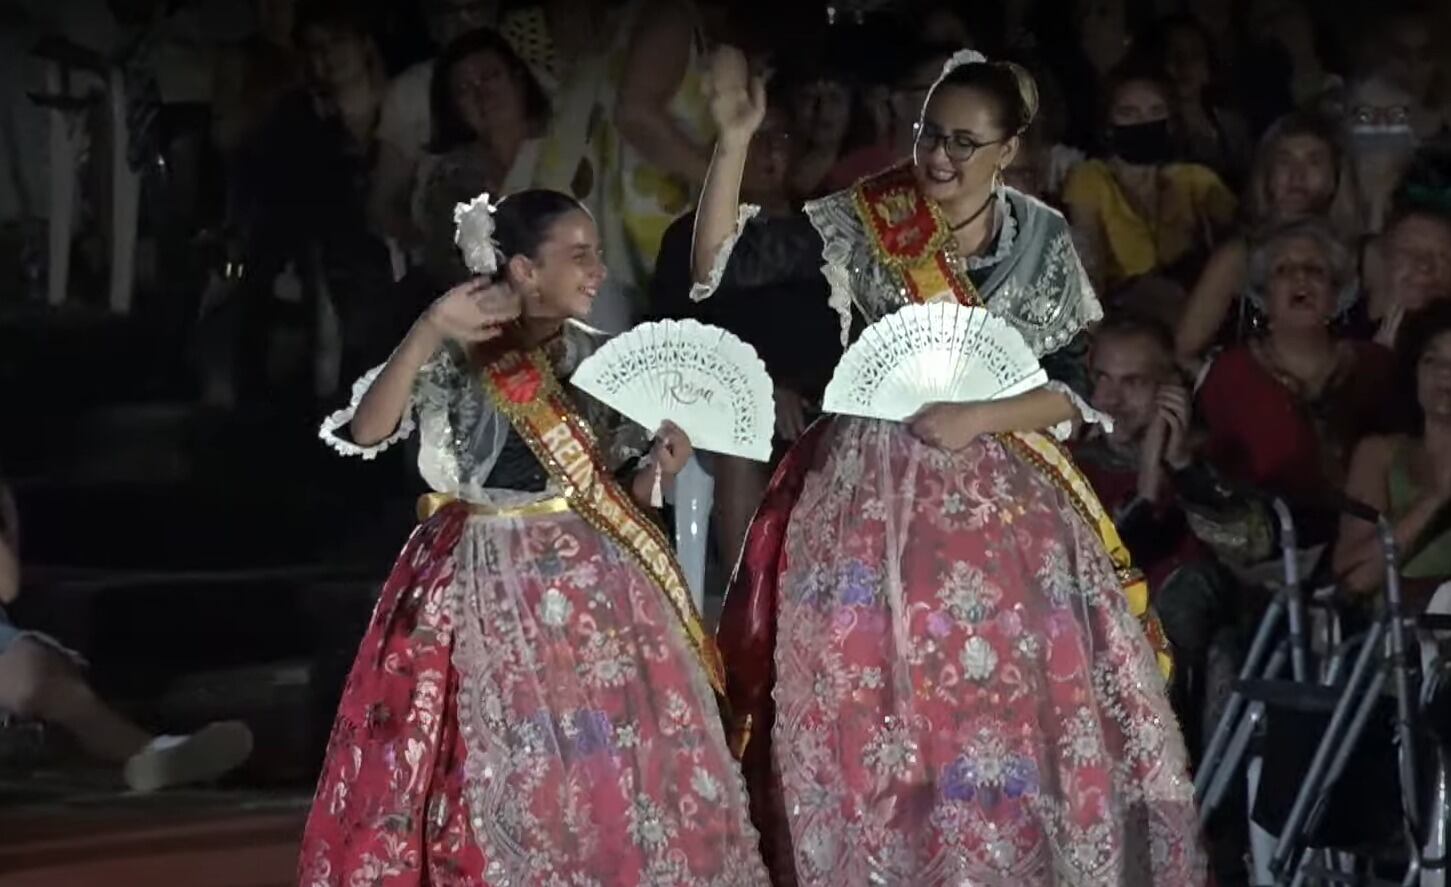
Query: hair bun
1027	92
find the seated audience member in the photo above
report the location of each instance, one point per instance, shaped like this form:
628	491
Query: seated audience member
773	296
42	680
489	115
824	112
1140	210
405	122
1285	409
1145	471
1415	251
1407	476
1299	171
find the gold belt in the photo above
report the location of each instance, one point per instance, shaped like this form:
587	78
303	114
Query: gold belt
430	504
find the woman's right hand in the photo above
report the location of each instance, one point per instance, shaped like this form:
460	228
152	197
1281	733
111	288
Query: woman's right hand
737	99
472	312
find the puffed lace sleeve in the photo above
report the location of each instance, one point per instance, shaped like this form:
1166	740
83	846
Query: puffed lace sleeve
699	292
430	388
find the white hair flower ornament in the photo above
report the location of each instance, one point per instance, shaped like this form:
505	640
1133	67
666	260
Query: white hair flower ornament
474	235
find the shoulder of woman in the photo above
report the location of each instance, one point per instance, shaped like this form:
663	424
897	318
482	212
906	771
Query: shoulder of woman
1087	174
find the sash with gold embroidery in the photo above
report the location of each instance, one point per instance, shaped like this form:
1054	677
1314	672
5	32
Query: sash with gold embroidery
524	388
910	236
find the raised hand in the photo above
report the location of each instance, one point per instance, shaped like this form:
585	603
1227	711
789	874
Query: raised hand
1176	413
737	99
473	312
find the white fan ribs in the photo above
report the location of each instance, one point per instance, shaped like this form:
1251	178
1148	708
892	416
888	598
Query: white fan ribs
922	354
702	378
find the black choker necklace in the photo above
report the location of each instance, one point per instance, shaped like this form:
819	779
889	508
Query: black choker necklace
958	226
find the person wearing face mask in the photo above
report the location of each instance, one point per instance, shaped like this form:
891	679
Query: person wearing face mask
1212	133
1138	212
1300	170
935	640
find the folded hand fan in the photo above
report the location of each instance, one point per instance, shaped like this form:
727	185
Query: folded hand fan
922	354
700	377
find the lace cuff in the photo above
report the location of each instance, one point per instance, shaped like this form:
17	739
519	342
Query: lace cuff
1064	430
699	292
333	427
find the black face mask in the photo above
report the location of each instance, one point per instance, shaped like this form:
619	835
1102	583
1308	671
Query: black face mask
1143	144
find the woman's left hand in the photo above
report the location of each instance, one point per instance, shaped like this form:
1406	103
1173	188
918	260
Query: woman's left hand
947	426
672	449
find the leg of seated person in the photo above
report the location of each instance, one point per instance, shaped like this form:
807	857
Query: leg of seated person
739	486
37	681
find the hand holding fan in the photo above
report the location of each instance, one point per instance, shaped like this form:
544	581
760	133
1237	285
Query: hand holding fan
922	354
700	377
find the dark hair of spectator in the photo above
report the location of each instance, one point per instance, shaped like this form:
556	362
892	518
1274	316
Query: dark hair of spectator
1122	325
449	129
523	219
336	16
1425	187
1150	50
1010	87
1417	333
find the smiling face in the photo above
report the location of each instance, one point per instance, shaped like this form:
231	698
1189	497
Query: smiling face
563	277
1301	179
1300	289
962	143
486	92
1127	370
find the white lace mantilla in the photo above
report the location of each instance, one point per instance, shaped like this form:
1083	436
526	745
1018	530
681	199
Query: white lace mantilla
462	434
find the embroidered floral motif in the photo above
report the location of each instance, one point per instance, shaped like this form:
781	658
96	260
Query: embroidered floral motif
1026	644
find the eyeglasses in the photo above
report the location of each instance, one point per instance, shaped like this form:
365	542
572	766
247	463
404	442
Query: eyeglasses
959	145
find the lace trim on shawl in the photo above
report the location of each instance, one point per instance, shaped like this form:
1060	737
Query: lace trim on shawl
834	218
333	425
1007	237
1086	413
699	292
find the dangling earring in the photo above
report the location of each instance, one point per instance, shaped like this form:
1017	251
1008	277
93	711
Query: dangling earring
998	183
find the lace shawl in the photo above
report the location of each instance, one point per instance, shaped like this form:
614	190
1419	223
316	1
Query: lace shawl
1036	281
462	434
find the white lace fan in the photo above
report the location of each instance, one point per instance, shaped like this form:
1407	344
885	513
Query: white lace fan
700	377
939	352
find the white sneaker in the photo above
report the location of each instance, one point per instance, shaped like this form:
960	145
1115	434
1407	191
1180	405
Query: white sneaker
205	755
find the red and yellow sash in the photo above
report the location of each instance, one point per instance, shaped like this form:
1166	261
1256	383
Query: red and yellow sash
911	237
524	388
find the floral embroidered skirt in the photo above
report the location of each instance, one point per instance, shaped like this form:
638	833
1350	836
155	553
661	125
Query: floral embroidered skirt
525	709
962	696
